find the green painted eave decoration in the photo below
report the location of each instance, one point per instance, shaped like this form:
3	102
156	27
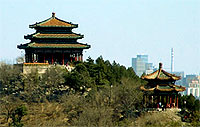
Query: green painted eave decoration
164	87
67	36
42	46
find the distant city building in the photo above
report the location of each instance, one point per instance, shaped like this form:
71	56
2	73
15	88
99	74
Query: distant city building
181	74
192	84
172	60
193	89
140	65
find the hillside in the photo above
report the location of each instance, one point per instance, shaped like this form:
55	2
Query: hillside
95	93
54	114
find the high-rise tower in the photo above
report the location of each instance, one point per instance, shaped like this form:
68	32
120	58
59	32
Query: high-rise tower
140	65
172	60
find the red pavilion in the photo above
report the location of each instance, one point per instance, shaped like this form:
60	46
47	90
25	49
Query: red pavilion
53	42
161	89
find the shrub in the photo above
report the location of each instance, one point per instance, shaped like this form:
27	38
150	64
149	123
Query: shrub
17	116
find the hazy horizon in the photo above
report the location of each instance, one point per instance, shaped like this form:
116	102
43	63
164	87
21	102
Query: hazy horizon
118	30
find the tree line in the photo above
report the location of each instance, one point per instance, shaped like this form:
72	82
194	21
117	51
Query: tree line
95	93
107	92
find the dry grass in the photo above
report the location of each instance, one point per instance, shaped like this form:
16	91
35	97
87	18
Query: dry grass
162	119
53	114
43	114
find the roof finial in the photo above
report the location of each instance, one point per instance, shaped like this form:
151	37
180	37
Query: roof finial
160	65
53	14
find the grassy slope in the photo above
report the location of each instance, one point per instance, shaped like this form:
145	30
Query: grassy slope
52	114
169	118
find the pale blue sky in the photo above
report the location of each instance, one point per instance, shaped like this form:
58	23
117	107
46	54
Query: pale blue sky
116	29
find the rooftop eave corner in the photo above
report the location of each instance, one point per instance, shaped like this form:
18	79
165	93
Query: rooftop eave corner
32	26
184	88
81	36
88	46
75	25
27	36
145	77
20	46
178	78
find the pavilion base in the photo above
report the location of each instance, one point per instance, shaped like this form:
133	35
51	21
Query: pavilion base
160	109
27	68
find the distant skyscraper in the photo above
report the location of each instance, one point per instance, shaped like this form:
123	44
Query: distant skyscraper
140	65
172	60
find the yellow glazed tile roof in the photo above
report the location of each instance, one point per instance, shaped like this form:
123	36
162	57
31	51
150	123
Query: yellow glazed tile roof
165	87
39	35
161	75
54	22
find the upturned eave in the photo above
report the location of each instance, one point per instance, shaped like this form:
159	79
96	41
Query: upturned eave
53	22
54	36
34	45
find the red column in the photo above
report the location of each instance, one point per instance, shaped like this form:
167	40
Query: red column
52	59
44	58
81	57
170	100
75	57
63	59
177	101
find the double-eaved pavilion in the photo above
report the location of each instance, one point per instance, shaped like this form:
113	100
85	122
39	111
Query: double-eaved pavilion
161	89
53	42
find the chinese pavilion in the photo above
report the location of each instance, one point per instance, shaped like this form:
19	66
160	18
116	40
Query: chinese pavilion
161	89
53	42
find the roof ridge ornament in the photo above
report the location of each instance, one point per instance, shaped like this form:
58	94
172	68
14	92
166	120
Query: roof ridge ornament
159	71
160	65
53	14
